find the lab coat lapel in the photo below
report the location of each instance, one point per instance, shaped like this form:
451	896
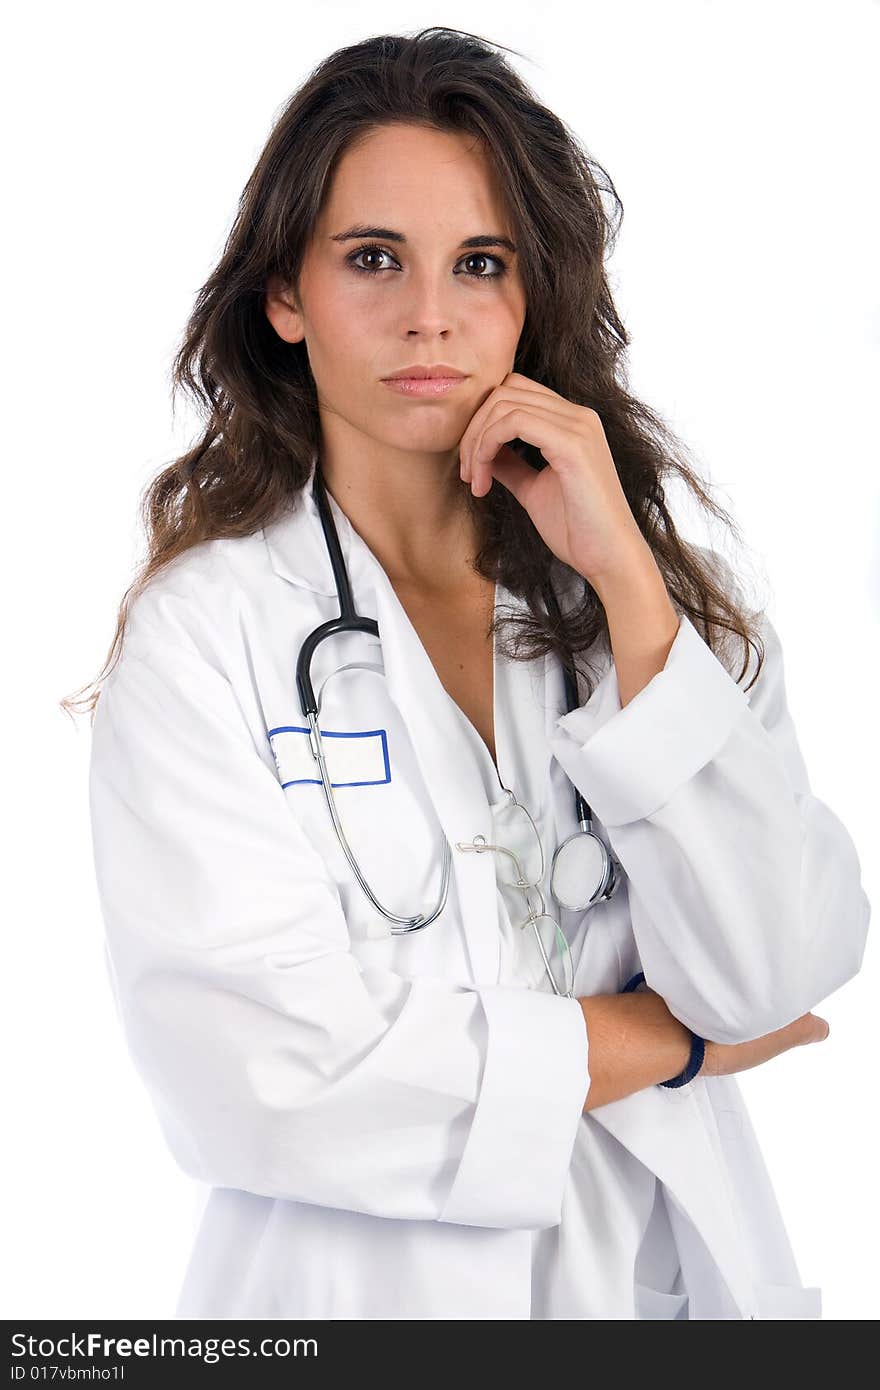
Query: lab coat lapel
451	776
298	553
527	702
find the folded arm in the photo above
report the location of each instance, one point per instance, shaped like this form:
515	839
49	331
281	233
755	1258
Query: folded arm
744	888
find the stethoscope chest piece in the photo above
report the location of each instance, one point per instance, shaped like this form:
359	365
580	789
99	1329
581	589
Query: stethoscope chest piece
583	872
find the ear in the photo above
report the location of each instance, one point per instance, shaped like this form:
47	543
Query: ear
282	310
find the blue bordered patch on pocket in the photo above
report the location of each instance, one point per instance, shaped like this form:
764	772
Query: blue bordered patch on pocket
353	758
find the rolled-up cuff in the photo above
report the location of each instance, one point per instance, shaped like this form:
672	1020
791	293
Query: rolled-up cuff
627	762
515	1164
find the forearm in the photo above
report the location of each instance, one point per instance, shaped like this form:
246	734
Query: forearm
634	1042
642	623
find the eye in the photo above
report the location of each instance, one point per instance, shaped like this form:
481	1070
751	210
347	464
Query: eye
381	251
364	250
482	256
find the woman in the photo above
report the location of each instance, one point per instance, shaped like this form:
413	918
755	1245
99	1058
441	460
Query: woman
419	1083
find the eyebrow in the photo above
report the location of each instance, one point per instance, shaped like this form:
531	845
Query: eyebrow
386	234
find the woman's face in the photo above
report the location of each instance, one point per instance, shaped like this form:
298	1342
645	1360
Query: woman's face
432	300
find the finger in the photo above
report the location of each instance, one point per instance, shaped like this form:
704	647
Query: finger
543	428
816	1029
727	1058
472	433
493	448
513	473
516	381
505	395
806	1029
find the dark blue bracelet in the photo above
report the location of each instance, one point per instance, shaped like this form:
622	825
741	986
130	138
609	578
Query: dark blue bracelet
698	1044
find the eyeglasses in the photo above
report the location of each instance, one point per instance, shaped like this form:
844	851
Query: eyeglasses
523	867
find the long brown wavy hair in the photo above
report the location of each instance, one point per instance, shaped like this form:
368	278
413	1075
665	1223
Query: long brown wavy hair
258	396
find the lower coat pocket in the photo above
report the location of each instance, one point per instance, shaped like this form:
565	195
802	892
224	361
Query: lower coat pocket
651	1303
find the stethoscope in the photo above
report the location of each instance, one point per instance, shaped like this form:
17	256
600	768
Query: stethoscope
583	858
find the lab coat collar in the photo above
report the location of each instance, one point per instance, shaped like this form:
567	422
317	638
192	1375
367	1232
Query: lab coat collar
296	545
451	775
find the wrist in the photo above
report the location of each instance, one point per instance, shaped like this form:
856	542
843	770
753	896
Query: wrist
694	1064
678	1058
695	1047
635	572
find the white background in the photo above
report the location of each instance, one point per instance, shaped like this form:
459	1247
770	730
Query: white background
741	138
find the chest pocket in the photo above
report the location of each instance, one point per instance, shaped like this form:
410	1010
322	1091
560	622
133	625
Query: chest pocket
352	757
382	803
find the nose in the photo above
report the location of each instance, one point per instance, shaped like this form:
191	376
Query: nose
426	303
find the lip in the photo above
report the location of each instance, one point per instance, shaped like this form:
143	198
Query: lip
416	371
423	386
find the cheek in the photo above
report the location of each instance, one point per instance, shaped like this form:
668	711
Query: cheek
498	330
341	334
514	311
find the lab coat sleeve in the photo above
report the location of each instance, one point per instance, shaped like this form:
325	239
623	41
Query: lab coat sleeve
275	1063
744	888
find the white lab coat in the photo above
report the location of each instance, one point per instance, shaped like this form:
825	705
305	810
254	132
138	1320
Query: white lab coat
384	1123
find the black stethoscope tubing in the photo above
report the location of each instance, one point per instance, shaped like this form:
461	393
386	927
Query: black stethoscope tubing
350	620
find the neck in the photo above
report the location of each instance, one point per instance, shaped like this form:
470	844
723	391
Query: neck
412	510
